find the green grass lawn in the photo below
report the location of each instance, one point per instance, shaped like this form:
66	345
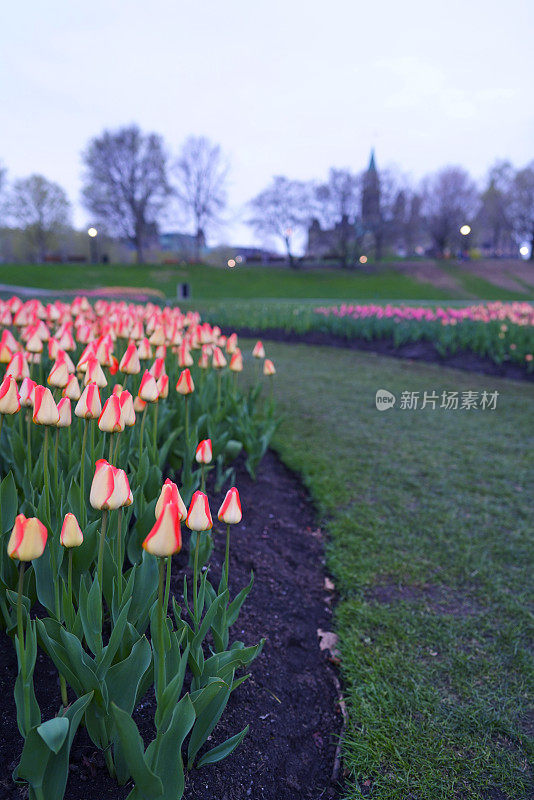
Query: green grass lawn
216	283
428	515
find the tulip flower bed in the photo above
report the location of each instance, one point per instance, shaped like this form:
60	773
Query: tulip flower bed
95	406
482	335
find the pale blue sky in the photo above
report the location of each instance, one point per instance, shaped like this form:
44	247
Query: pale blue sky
286	87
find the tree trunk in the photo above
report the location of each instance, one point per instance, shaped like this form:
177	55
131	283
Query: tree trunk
290	257
198	237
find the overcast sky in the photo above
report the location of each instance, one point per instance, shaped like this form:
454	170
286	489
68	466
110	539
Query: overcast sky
285	86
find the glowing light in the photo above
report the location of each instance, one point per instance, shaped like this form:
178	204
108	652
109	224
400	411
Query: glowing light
363	259
231	263
524	250
92	232
238	259
465	230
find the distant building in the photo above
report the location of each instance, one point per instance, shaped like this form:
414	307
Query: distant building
325	243
182	244
345	236
256	255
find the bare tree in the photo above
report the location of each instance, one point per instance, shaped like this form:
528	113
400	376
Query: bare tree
522	205
494	216
201	176
125	183
450	200
337	203
281	210
41	208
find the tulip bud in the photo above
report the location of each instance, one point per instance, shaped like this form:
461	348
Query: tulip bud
199	515
230	511
158	368
129	363
18	367
9	396
110	419
28	539
94	373
65	414
110	487
72	389
218	360
144	350
231	344
165	538
163	386
259	350
34	344
185	359
27	392
148	391
71	533
59	374
268	367
127	408
158	337
170	494
122	494
204	454
89	405
44	407
138	404
185	383
236	362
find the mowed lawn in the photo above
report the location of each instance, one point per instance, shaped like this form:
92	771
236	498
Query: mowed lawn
245	282
427	515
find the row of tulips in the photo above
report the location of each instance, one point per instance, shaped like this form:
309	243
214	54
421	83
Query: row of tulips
97	555
502	332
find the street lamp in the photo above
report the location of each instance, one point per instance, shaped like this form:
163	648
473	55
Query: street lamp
524	250
465	230
93	248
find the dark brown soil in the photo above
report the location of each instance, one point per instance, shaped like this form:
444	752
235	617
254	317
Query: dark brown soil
416	351
290	701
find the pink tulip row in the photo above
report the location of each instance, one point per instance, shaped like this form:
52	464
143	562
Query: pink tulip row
518	313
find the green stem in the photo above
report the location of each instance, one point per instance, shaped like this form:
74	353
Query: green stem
20	423
116	452
29	443
69	579
110	454
219	379
195	579
155	433
167	584
92	423
119	555
46	476
141	433
22	649
187	424
1	425
203	477
106	748
161	653
83	509
100	567
227	557
56	471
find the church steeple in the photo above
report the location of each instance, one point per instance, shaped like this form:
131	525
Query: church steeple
371	196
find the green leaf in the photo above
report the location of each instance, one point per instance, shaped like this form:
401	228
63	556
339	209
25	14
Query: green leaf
222	750
54	732
146	782
209	706
91	615
169	765
9	502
